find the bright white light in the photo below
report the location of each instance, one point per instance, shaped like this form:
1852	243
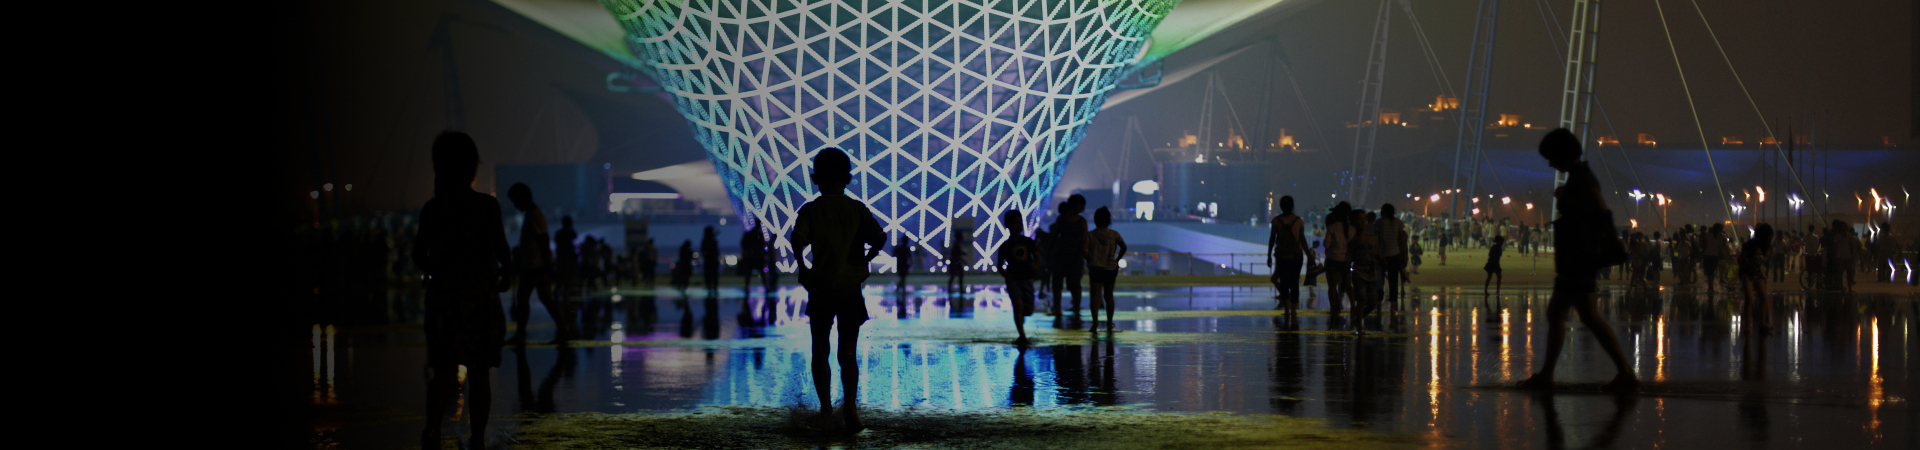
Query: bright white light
668	173
1123	263
1506	200
1143	210
1529	206
1435	198
1476	210
314	194
327	187
731	259
1146	187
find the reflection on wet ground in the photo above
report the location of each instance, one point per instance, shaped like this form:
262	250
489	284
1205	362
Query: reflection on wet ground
1834	370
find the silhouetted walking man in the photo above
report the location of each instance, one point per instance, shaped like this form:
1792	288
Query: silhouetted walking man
462	247
837	227
1068	259
1583	224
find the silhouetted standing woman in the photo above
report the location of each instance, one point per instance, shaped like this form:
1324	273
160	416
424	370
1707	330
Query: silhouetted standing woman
710	260
683	268
462	247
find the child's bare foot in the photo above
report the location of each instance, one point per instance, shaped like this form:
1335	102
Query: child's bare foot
1537	381
851	420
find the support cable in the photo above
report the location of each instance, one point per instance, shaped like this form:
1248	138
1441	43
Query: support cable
1727	208
1756	105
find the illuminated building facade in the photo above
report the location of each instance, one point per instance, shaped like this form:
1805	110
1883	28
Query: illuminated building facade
950	109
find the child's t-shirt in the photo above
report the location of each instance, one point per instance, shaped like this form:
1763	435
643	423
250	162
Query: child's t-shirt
835	226
1019	254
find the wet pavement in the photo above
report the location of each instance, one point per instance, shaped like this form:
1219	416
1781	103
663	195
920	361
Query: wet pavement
1834	372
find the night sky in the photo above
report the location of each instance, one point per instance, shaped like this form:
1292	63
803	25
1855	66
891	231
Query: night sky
367	98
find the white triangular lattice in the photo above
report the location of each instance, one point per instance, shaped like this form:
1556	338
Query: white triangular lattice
949	108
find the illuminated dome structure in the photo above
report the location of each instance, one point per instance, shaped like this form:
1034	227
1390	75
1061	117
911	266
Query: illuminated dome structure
950	109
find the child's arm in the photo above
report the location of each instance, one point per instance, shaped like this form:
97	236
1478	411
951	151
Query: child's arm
1122	254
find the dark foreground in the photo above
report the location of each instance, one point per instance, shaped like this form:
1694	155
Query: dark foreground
1199	367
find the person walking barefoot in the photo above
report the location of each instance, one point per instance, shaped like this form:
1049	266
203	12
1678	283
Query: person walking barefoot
1583	215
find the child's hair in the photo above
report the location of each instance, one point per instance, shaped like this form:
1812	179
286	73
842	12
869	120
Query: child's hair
832	166
1012	220
1102	217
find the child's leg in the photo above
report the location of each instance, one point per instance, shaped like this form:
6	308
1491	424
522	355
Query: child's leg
850	373
822	373
1110	305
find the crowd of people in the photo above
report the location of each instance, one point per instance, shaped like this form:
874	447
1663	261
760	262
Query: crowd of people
460	244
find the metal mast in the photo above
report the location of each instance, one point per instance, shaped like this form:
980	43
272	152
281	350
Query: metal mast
1369	123
1576	95
1473	108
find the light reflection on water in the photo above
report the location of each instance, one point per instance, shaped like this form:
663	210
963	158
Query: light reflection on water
930	349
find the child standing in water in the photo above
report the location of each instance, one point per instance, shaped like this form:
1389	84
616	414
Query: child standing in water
1016	261
844	236
1493	263
1104	249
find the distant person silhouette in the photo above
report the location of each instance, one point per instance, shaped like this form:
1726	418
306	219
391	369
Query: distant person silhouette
903	259
957	262
1713	249
1417	252
606	261
1287	245
1338	267
710	260
1583	215
533	261
1017	261
1753	276
566	259
590	269
1067	260
1494	274
649	262
1394	241
1103	252
752	249
683	268
836	227
770	257
1363	253
462	247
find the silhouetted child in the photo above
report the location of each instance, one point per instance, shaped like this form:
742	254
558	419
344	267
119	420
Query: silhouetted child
462	247
837	227
1103	252
533	261
1017	261
1494	276
1577	260
1418	252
